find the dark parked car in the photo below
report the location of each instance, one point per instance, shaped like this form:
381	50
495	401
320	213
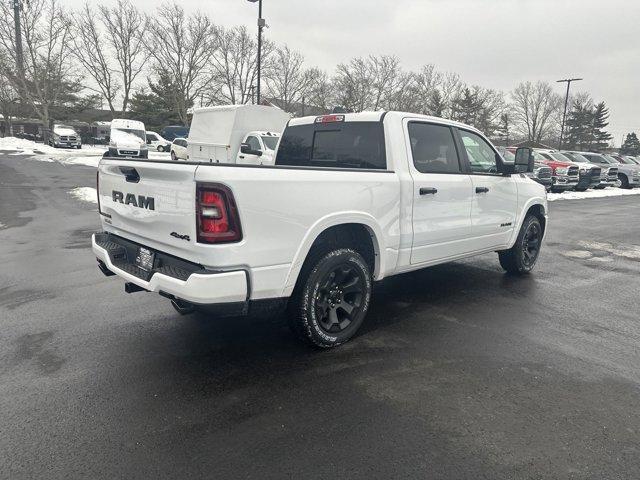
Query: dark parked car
174	131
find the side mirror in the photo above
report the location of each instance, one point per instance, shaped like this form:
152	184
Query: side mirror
247	150
524	160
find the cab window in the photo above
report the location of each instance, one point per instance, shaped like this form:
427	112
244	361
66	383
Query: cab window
254	143
433	148
482	157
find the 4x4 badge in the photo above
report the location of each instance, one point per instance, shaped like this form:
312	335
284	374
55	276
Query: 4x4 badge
180	237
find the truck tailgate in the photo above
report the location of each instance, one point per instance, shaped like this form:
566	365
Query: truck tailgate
150	202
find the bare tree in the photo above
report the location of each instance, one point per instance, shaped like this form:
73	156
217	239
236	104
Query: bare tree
353	83
372	83
450	89
8	95
321	91
8	102
49	77
288	81
387	77
235	65
534	108
427	87
181	46
89	42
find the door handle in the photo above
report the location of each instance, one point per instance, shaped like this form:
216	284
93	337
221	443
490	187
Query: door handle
241	156
482	189
428	191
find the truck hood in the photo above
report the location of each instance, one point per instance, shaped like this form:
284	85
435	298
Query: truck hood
64	131
126	140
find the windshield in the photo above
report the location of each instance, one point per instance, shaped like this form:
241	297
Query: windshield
270	143
595	158
634	160
622	160
560	157
576	157
612	159
127	135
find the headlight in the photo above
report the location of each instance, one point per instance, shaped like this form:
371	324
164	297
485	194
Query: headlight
112	144
143	146
562	171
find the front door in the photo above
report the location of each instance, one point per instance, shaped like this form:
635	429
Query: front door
247	158
441	193
495	196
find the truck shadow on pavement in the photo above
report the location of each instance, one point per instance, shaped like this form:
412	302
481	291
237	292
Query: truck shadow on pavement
451	292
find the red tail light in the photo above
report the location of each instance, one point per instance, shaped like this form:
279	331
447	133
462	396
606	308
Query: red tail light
217	219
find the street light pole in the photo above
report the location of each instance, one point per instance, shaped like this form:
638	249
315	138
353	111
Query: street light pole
566	104
261	25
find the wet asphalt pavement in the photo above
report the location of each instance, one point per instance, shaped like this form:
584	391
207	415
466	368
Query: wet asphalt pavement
460	371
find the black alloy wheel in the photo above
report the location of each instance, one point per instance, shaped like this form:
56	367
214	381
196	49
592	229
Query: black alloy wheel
331	297
340	297
531	244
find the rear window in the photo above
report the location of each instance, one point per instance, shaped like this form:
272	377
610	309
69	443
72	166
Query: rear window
358	145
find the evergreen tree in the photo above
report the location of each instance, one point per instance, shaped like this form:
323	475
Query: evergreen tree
600	121
579	129
631	145
436	104
504	127
466	108
156	108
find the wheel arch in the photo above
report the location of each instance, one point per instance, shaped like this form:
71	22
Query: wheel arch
537	207
356	230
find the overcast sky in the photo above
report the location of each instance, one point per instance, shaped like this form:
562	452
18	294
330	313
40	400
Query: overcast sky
492	43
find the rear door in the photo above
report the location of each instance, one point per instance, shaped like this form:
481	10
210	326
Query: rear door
495	196
442	193
152	203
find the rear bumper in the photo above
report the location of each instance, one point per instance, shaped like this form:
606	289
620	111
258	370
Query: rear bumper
171	277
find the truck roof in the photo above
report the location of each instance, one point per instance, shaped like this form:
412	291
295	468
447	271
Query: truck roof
379	116
126	123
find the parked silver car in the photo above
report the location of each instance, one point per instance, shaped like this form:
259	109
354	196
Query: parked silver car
608	177
628	175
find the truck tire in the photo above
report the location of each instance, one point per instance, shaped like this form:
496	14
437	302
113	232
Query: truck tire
331	298
624	181
523	256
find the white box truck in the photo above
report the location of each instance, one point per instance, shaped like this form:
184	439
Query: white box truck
245	134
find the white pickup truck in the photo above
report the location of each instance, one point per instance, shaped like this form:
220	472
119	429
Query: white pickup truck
351	199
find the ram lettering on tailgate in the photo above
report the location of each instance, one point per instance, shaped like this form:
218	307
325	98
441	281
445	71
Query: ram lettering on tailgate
139	201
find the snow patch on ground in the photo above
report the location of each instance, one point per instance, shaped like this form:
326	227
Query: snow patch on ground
89	161
89	155
632	252
85	194
24	147
608	192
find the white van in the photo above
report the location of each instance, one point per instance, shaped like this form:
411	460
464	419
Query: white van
128	139
246	134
